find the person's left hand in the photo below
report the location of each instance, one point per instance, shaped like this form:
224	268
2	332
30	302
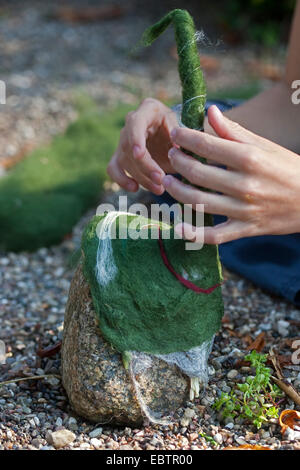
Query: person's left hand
260	187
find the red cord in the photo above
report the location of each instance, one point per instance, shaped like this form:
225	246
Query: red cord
181	279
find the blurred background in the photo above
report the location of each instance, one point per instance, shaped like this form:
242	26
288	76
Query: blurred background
58	56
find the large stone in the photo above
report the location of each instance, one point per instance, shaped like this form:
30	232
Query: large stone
98	386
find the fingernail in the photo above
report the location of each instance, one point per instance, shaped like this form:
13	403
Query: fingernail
166	181
156	177
136	151
171	152
217	110
173	133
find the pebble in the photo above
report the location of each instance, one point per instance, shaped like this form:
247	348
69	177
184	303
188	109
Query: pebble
291	435
232	374
60	438
218	438
229	425
59	422
240	441
283	327
72	424
96	443
96	432
36	443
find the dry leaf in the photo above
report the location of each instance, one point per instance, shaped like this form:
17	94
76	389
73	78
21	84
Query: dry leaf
289	419
89	14
49	351
258	344
247	447
275	362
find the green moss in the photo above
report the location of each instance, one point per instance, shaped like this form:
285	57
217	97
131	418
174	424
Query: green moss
43	197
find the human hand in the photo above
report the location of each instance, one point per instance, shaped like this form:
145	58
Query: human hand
260	187
143	148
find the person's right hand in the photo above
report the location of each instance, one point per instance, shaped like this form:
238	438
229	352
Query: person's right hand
142	153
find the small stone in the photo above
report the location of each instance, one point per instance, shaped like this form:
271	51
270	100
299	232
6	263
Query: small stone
85	445
232	374
26	410
218	438
189	413
36	443
60	438
291	435
58	422
240	441
185	422
229	426
265	326
193	436
72	424
154	441
96	443
53	381
96	432
283	327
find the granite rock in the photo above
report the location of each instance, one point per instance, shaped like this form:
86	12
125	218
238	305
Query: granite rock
97	384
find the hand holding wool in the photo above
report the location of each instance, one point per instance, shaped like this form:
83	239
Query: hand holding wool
143	148
260	190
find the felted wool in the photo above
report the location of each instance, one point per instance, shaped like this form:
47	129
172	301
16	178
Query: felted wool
189	68
144	307
141	305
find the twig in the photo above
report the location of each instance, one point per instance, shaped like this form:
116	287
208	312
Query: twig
285	386
288	389
33	377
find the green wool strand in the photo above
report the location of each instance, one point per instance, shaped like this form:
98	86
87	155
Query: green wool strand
191	76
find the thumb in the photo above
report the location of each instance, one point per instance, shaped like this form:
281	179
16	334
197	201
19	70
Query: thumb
230	130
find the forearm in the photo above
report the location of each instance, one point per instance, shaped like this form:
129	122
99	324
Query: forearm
271	114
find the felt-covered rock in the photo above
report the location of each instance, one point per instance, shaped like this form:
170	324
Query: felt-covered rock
98	386
141	306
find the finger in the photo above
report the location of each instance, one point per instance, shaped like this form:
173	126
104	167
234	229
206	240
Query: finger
221	233
214	203
227	152
119	176
149	168
205	175
230	230
146	182
231	130
138	123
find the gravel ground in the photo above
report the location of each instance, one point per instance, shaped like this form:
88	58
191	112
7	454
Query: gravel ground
33	297
44	62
